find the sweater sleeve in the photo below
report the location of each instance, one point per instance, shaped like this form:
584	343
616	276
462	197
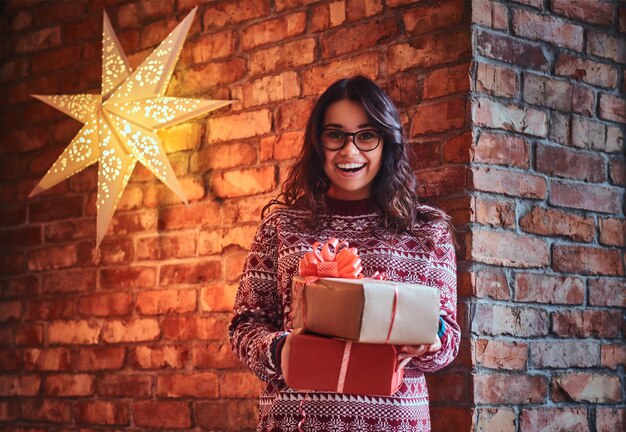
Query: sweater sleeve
256	325
443	276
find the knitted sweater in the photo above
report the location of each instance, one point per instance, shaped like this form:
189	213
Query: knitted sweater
261	316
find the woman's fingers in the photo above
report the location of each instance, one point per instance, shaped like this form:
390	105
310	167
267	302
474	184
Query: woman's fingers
435	346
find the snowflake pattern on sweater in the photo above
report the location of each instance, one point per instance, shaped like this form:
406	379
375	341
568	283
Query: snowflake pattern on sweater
262	316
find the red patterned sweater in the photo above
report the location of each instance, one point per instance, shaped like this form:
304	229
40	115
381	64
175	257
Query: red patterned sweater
262	306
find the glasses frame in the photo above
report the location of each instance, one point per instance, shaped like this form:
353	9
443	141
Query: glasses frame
350	134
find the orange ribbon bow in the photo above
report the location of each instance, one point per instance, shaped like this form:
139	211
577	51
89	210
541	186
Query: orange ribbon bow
333	259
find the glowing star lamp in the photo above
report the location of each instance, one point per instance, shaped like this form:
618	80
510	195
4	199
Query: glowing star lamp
120	124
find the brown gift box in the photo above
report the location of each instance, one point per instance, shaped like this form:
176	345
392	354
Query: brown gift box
324	364
363	310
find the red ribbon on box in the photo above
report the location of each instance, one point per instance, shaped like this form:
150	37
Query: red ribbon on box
332	259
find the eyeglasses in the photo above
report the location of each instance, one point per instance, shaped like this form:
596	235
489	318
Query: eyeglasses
365	140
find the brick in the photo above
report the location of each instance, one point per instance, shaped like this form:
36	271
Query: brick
228	414
439	117
495	354
99	358
190	328
329	15
193	81
20	286
239	211
163	247
239	385
27	334
585	196
495	115
617	171
157	195
491	284
166	301
48	410
501	149
47	359
500	388
244	182
556	354
19	385
222	156
234	262
587	260
209	47
11	360
428	154
607	292
128	277
38	40
161	415
237	126
293	114
358	37
132	222
205	213
552	222
447	387
614	138
612	232
545	419
594	11
586	387
52	257
11	262
9	410
81	332
550	29
278	58
14	214
497	320
429	51
190	273
218	297
273	30
125	385
218	14
286	146
612	108
441	181
457	148
213	356
134	330
101	412
105	304
20	237
540	288
589	71
512	51
359	9
426	19
316	79
160	357
446	81
448	418
548	92
507	182
607	46
610	419
586	323
490	14
558	161
200	385
496	80
587	133
10	311
69	385
495	213
270	89
63	231
491	419
613	355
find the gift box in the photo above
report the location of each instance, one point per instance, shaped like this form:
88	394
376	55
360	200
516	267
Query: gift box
366	310
325	364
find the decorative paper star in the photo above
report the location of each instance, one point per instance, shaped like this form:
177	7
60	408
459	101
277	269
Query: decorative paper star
120	124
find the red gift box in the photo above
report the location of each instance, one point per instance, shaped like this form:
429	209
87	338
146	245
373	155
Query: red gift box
323	364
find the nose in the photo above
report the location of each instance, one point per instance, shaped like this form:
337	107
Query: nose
349	147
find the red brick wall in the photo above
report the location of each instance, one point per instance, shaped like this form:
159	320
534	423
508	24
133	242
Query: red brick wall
547	241
135	336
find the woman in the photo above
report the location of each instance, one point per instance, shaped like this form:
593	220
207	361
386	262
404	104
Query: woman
352	181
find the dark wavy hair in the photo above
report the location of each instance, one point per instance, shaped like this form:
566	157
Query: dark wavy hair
394	187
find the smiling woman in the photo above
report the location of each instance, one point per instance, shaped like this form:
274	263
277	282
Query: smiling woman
352	181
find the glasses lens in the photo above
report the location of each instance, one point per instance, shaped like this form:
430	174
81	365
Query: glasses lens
367	139
333	139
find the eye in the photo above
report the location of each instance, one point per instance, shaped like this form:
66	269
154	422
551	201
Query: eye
367	135
334	135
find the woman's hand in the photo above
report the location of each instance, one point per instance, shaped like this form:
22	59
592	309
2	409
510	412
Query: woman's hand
409	351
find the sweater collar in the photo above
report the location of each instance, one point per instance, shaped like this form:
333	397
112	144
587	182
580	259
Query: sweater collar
351	207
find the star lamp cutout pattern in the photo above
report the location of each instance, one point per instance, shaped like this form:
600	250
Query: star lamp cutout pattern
120	124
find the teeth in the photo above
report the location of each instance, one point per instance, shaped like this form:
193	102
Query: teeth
350	166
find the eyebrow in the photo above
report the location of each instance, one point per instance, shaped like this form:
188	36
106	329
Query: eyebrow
337	125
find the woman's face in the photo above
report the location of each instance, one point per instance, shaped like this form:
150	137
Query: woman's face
350	170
